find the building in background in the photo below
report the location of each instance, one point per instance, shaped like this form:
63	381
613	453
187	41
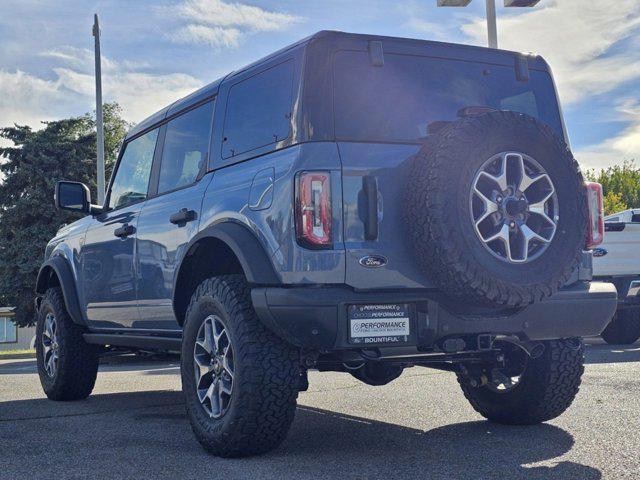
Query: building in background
12	337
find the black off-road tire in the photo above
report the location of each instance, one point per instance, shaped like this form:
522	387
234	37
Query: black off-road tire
441	228
546	389
78	361
624	329
266	378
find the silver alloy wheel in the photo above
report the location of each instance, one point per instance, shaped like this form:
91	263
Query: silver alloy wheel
214	366
51	347
514	207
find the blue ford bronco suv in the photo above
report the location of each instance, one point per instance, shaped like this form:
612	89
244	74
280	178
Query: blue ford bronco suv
350	203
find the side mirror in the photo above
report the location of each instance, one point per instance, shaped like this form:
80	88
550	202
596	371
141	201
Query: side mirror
74	196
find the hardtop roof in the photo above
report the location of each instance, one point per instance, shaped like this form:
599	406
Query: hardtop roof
336	40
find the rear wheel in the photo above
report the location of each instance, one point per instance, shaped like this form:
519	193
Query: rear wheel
67	365
240	381
537	390
624	329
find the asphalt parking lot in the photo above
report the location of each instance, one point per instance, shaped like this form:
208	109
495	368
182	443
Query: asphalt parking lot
419	426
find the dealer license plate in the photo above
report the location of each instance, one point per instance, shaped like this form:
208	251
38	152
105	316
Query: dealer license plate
375	324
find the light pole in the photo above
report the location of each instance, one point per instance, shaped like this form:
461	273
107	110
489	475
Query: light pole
492	33
99	117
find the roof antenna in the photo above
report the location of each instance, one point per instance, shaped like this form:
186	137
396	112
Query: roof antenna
99	116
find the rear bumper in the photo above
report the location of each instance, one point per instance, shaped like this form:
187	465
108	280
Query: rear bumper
316	317
628	288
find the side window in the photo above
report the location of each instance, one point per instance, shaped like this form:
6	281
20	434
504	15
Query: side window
186	145
258	110
132	177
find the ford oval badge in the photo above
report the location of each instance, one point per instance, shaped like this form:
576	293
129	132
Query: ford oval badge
599	252
373	261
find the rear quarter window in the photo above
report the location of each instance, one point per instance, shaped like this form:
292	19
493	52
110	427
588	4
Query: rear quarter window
258	111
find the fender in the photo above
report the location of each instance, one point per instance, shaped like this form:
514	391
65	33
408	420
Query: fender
252	257
60	266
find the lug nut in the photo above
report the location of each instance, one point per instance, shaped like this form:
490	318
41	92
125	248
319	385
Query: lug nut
499	198
512	224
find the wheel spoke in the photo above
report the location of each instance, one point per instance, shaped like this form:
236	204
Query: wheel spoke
529	235
217	336
212	339
504	236
501	178
539	208
529	181
209	395
49	326
489	205
214	398
50	365
227	362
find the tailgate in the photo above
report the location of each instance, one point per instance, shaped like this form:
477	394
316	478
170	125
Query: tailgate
623	255
374	179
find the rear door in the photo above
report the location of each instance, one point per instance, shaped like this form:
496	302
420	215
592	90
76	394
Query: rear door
384	112
170	218
108	266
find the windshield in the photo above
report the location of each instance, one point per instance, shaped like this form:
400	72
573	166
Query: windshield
411	96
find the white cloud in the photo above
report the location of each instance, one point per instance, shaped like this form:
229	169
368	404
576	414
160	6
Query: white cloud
432	29
202	34
139	94
222	24
28	99
577	38
625	145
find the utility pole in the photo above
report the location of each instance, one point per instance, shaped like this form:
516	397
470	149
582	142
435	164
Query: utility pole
492	31
99	116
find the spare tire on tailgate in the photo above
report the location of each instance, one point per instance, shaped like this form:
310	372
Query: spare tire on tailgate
497	210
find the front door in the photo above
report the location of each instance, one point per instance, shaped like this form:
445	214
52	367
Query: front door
108	254
170	219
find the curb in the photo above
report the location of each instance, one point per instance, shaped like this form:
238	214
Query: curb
17	356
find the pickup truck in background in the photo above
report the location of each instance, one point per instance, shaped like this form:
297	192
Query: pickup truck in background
617	261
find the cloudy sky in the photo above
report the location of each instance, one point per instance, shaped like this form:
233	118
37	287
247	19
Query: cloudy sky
155	51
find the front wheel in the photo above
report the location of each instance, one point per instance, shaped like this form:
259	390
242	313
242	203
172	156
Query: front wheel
240	381
543	390
67	365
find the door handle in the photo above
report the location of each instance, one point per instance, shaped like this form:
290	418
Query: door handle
124	231
370	188
183	216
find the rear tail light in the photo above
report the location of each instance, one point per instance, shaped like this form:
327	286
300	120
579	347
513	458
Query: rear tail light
313	209
596	215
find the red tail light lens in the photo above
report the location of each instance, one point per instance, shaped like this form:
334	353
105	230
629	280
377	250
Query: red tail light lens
313	209
596	215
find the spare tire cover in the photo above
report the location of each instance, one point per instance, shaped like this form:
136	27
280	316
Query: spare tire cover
496	210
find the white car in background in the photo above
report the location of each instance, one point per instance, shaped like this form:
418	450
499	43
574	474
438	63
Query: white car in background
618	260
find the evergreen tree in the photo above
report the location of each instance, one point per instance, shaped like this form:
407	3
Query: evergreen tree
62	150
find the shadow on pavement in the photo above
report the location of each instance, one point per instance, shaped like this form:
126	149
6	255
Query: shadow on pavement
475	450
150	365
112	403
605	353
146	435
